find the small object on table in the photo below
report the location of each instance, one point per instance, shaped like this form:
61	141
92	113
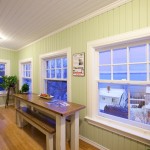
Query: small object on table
46	96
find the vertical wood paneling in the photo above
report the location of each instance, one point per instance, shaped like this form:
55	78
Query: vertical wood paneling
133	145
136	14
148	8
121	143
115	141
143	13
129	17
122	19
111	22
140	146
101	26
119	20
127	144
116	21
105	18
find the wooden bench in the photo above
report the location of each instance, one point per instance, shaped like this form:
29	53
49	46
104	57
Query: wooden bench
43	123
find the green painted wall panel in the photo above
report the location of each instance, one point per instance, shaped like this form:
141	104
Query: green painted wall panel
10	55
105	24
143	13
122	19
121	143
148	9
125	18
116	21
129	16
127	143
136	14
110	22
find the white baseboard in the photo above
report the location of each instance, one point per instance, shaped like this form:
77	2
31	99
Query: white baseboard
93	143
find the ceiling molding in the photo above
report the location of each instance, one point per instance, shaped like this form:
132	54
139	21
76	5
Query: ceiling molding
4	48
91	15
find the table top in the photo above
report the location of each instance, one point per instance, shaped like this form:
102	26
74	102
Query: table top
57	106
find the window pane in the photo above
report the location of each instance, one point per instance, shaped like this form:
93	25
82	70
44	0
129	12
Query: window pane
1	81
48	64
104	72
24	67
120	72
58	89
64	62
120	56
28	81
58	62
27	66
24	73
104	57
137	54
2	67
138	72
48	74
139	102
2	73
64	73
53	73
28	74
53	63
113	99
58	73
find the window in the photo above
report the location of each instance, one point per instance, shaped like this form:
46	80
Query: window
56	77
55	74
119	84
4	70
26	73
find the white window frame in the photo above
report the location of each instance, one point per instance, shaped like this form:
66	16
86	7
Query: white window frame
44	57
7	71
92	117
21	62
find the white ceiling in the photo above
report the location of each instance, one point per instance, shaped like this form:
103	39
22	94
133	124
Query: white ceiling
25	21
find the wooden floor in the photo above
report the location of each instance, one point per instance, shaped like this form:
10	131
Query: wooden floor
28	138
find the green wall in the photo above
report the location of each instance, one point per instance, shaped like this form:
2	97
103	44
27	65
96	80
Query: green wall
128	17
9	55
12	56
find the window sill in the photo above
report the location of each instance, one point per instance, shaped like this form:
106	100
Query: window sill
3	93
129	131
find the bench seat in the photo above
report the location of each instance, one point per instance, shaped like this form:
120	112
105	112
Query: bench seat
45	124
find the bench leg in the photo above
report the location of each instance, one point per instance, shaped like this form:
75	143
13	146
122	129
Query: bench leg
49	142
18	120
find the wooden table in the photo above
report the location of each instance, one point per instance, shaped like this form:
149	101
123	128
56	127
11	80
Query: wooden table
60	112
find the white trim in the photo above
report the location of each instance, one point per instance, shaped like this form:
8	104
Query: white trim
133	36
91	15
7	67
4	48
92	143
43	57
127	130
22	61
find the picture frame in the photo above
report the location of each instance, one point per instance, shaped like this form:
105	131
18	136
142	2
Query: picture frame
79	64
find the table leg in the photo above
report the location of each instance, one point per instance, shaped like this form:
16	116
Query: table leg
75	131
17	106
60	133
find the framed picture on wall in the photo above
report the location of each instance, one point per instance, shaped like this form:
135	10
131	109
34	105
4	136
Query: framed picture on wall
78	64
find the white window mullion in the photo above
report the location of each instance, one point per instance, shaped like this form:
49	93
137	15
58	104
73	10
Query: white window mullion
147	61
111	69
61	68
128	67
